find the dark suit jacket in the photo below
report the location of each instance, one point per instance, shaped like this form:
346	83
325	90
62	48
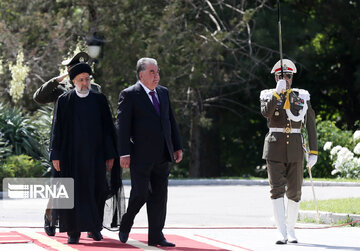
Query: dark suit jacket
141	131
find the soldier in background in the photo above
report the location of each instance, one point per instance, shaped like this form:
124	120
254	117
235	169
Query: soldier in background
48	93
52	89
287	110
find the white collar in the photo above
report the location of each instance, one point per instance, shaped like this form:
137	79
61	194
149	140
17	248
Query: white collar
147	90
81	95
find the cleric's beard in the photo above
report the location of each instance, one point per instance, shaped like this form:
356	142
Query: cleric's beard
84	90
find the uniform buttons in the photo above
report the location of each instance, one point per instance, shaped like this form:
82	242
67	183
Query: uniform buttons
288	124
287	136
287	142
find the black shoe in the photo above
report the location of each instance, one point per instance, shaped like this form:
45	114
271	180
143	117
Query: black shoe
163	243
90	235
73	238
123	236
96	236
281	242
49	230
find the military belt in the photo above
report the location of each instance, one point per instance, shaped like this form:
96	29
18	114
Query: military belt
285	130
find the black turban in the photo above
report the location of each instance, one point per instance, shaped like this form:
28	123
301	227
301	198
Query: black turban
79	68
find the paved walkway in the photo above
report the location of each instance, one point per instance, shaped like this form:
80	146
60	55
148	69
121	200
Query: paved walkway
202	215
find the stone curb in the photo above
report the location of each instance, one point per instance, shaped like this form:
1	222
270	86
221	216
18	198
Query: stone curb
328	218
234	182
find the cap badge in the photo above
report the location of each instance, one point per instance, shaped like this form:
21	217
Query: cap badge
81	59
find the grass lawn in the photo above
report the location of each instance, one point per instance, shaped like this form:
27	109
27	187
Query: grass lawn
348	205
333	180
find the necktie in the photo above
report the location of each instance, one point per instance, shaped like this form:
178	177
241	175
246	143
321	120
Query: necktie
287	102
155	102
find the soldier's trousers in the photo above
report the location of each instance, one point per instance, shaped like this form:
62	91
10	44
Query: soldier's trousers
285	178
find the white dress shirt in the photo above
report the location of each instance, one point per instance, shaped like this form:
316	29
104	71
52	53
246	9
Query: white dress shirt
147	90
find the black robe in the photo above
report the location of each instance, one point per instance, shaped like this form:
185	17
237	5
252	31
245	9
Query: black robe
83	138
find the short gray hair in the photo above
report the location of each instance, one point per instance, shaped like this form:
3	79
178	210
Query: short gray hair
141	65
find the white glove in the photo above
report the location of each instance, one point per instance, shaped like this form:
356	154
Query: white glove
280	86
312	160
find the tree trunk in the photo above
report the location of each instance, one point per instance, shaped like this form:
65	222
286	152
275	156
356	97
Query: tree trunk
194	143
210	149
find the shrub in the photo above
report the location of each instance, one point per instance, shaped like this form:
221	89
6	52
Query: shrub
328	131
5	149
20	133
346	163
42	119
20	166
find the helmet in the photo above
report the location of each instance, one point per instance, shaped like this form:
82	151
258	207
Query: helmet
288	67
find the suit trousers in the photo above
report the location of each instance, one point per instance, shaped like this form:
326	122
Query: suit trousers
149	184
285	177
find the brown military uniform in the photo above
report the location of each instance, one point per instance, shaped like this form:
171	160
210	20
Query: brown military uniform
52	89
284	144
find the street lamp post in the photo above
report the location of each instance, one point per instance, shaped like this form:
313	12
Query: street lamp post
95	45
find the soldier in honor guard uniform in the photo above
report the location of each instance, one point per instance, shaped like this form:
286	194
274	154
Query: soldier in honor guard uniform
287	111
48	93
52	89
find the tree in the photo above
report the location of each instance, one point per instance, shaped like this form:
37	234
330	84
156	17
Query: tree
215	56
206	48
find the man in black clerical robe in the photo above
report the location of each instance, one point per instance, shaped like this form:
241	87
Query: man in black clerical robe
83	144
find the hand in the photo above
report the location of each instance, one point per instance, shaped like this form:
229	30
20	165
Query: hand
61	77
125	161
109	164
280	86
178	155
312	160
56	164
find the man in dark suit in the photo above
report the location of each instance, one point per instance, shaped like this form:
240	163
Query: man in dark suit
148	139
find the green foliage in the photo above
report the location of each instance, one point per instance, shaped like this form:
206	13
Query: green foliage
345	159
215	57
328	131
178	173
42	120
5	149
20	133
20	166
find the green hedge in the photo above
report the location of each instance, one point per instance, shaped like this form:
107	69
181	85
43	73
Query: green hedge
328	131
20	166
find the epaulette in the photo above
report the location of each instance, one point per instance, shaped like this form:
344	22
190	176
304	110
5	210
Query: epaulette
303	94
266	94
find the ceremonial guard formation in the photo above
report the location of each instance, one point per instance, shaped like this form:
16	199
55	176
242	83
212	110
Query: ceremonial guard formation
288	111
